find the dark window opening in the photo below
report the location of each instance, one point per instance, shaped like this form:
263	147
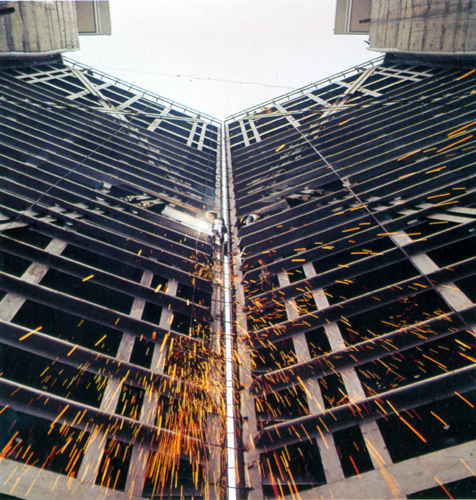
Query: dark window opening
114	465
353	254
51	376
303	196
64	326
306	303
281	406
87	290
4	11
294	467
130	402
296	275
440	424
429	228
388	318
185	292
159	284
142	352
123	191
152	313
157	208
454	252
193	295
12	264
333	391
182	323
195	326
275	357
463	488
101	262
267	317
373	280
353	453
468	287
318	342
418	363
34	441
29	236
62	223
173	478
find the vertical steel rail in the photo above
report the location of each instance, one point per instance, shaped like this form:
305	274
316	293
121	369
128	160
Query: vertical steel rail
228	320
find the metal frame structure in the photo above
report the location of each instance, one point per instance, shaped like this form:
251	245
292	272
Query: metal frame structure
353	211
351	215
111	290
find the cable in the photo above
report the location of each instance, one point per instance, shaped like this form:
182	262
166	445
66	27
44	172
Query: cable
200	78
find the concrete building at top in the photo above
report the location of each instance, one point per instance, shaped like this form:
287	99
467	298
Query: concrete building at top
433	28
36	30
349	216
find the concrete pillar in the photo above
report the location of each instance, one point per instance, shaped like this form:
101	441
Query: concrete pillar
450	292
379	455
95	448
92	456
12	302
251	456
140	453
329	457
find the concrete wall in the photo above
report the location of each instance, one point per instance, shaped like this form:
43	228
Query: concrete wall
33	28
445	28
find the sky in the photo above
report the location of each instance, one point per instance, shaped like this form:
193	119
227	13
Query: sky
222	56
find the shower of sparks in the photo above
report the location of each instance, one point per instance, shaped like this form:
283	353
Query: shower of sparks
319	366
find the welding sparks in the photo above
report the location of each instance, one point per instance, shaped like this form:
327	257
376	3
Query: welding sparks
30	333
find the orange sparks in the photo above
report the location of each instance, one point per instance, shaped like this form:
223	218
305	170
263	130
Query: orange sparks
409	154
413	429
454	143
467	357
355	466
440	419
393	408
31	333
469	468
88	277
464	399
72	350
446	491
466	74
59	416
435	170
460	129
437	195
100	340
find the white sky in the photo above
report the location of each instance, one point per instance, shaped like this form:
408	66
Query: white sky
270	43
